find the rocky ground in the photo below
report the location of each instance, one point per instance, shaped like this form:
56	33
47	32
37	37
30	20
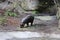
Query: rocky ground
39	25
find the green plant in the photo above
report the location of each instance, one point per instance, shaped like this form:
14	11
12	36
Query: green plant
9	13
12	14
2	20
34	12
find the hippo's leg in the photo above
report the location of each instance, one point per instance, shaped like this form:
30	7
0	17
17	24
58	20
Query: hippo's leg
31	23
27	24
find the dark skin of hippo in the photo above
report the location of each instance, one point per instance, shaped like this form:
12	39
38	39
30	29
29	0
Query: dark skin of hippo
27	20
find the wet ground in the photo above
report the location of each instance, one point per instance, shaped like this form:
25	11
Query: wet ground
27	35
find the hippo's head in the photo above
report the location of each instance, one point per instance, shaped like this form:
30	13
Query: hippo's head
21	25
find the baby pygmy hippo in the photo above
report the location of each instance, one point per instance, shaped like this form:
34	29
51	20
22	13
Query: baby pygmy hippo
28	19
